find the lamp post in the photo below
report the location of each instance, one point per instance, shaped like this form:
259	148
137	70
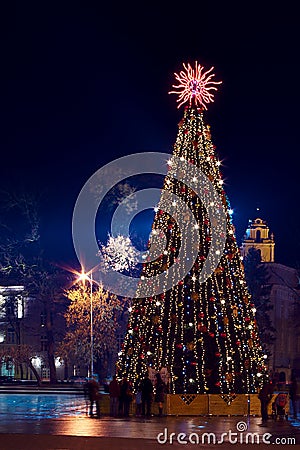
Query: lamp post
84	277
91	328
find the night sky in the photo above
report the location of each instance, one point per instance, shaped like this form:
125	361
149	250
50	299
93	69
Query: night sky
83	85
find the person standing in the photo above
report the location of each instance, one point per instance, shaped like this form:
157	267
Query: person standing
138	402
147	394
93	396
160	389
114	394
293	394
125	397
264	396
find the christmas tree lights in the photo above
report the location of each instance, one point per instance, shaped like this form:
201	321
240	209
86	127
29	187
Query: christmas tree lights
204	333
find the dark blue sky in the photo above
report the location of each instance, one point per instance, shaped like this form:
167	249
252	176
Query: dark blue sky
84	84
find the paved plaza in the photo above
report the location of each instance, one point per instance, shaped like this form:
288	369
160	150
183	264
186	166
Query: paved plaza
74	432
56	421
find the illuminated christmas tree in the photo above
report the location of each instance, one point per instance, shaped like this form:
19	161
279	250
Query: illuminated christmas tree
203	333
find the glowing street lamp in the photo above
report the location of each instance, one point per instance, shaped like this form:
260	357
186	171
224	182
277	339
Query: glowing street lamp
83	277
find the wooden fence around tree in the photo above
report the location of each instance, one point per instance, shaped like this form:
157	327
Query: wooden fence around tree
203	405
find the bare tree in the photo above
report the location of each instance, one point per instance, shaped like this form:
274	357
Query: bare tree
19	355
22	259
257	280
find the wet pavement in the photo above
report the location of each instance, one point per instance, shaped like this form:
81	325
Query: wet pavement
47	406
62	423
82	432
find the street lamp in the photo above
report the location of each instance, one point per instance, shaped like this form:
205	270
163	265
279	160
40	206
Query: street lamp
84	277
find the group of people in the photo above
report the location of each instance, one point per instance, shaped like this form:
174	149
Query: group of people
266	393
121	396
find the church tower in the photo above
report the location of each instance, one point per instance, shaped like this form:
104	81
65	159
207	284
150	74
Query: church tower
258	236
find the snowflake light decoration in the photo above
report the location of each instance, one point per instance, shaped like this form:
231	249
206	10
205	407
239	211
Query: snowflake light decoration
119	254
126	194
194	85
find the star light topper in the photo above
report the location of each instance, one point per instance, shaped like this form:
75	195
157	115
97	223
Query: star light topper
194	85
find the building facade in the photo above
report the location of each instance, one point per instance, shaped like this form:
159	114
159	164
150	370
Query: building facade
284	298
22	326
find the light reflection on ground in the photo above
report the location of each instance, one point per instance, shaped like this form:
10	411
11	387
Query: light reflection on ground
55	414
137	428
24	406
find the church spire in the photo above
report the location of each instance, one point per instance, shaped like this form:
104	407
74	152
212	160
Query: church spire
258	236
